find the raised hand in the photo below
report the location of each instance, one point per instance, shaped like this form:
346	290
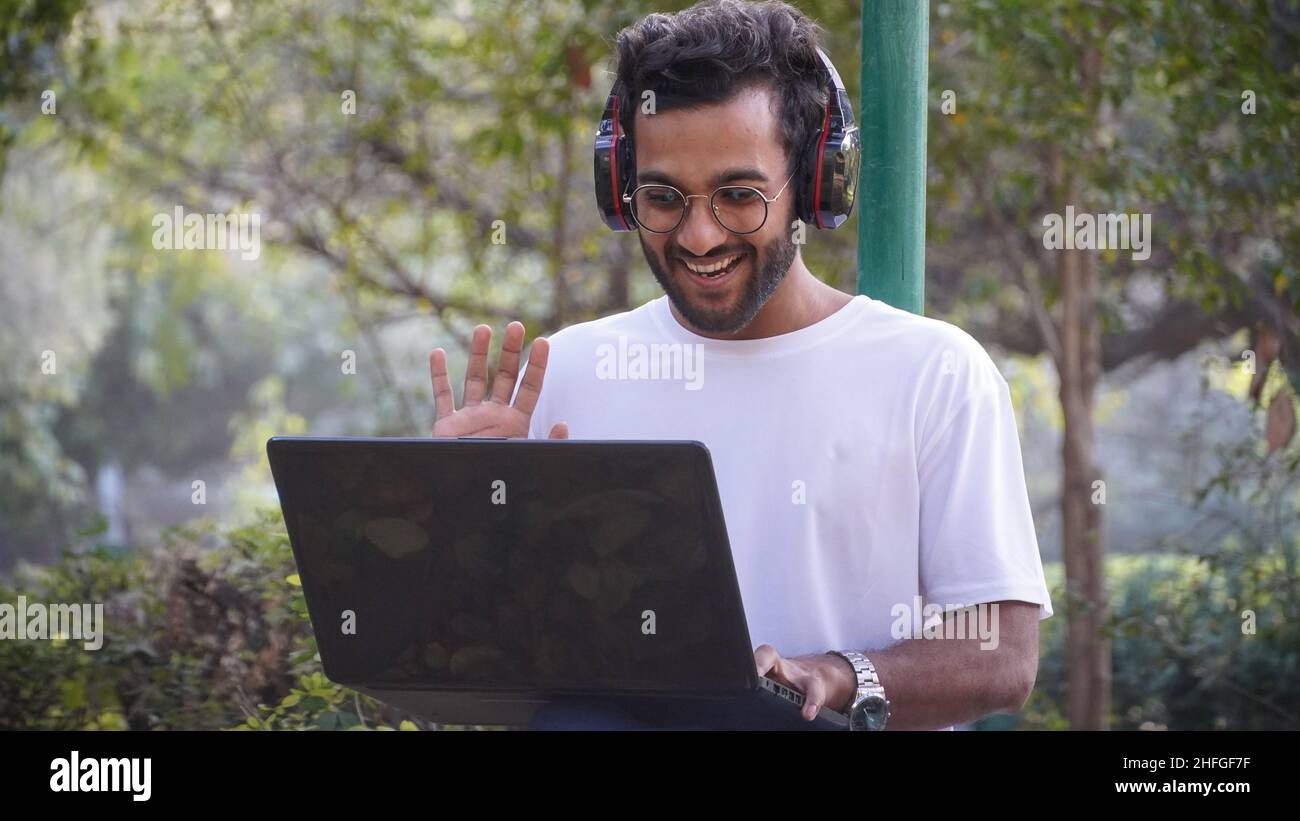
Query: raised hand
482	414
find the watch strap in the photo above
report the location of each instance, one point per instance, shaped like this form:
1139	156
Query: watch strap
868	680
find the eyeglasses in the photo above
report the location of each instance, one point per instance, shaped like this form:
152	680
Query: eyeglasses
741	209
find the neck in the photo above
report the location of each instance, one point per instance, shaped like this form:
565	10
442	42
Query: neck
799	301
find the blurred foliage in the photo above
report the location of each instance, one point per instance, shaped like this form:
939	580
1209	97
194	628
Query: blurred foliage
1185	656
30	34
208	631
1123	106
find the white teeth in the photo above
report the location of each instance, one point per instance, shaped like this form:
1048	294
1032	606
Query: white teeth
711	269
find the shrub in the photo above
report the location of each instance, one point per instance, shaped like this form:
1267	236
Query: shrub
208	631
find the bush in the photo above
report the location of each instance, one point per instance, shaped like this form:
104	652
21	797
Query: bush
209	631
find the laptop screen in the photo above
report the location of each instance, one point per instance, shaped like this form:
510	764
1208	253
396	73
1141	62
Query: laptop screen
519	565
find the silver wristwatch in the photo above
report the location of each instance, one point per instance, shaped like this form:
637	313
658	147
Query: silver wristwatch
869	709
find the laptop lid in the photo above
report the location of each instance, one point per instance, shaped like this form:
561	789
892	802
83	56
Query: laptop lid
515	566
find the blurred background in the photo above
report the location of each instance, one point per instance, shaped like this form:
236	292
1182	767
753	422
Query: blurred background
381	142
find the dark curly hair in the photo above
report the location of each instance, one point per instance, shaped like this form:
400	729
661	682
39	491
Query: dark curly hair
712	51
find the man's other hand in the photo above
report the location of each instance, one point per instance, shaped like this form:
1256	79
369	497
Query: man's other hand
824	680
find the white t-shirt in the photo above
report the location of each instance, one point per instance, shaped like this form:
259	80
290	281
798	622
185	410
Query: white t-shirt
862	461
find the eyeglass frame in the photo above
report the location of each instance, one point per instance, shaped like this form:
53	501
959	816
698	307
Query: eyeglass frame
767	211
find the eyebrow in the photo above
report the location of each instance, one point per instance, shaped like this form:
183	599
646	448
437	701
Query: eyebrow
730	175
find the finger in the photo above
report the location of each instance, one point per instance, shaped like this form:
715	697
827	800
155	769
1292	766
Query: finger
531	388
444	401
560	430
503	384
766	659
814	696
476	374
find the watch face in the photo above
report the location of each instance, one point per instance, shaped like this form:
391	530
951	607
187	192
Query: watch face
869	714
877	710
858	720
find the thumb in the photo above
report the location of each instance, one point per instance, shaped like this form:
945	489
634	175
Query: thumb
814	696
559	431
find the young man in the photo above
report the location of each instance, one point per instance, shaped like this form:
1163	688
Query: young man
867	458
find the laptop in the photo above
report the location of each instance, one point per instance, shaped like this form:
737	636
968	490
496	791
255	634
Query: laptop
471	581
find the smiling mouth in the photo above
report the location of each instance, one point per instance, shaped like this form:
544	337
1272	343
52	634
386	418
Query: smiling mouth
713	270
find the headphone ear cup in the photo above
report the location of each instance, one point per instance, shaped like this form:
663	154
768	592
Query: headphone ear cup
834	152
613	165
809	168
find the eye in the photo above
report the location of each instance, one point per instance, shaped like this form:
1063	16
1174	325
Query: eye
660	196
737	196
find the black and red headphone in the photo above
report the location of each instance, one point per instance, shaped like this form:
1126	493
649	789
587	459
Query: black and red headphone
828	169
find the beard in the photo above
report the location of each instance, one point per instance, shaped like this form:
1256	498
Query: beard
770	264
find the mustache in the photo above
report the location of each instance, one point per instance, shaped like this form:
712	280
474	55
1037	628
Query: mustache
670	254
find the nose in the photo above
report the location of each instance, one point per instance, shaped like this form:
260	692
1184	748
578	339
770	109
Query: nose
699	232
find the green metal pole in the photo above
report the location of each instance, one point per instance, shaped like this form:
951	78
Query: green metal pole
891	190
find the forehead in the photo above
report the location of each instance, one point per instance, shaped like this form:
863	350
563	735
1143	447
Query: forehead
693	146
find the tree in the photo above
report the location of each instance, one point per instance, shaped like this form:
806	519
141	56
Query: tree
1110	108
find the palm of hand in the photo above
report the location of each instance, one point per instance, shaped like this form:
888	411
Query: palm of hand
491	415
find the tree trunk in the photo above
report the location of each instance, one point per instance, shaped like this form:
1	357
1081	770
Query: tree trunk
618	288
1087	650
562	307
